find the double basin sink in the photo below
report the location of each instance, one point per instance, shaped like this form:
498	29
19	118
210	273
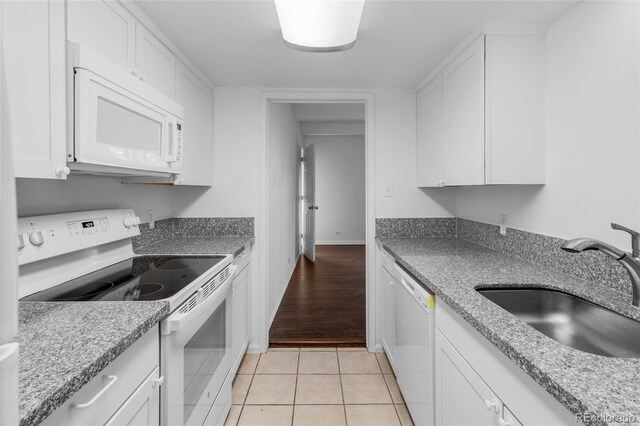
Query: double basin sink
571	320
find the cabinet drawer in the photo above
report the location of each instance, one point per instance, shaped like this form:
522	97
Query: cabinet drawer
242	260
106	392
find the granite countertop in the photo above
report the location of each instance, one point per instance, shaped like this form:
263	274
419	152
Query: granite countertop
63	345
198	245
453	268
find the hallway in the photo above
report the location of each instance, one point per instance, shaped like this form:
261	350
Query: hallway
324	303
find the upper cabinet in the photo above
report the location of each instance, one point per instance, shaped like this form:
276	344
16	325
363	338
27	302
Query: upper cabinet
39	84
480	116
33	62
106	27
155	64
197	100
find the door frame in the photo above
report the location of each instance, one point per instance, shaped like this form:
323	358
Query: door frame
329	96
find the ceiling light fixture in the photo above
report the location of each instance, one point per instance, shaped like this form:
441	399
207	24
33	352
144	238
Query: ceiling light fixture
319	25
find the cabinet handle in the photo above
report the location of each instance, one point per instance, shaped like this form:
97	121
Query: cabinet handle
503	422
157	382
143	77
112	380
491	404
62	171
134	72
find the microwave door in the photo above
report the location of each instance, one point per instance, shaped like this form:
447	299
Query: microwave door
114	128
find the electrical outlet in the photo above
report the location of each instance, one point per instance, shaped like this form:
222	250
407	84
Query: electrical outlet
504	219
150	219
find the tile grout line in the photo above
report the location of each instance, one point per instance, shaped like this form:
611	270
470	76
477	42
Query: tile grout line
344	403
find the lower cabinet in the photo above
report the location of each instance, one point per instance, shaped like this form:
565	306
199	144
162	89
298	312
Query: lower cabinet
126	392
240	308
389	285
476	384
462	397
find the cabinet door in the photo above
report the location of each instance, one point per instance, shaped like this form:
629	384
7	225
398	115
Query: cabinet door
105	27
389	316
508	419
462	397
430	142
197	99
33	49
142	408
240	312
155	64
463	89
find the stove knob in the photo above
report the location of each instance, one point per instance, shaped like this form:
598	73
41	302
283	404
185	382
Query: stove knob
127	222
37	238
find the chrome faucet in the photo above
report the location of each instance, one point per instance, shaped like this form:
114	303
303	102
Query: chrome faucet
630	262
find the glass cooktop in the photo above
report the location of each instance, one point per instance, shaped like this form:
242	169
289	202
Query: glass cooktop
136	279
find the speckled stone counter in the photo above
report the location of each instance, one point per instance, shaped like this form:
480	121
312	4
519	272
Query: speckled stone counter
453	268
198	245
64	345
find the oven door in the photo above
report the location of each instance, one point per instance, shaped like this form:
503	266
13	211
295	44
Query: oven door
196	357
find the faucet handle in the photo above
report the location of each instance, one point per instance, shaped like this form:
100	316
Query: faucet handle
635	238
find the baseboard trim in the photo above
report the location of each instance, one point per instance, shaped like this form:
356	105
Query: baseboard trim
340	243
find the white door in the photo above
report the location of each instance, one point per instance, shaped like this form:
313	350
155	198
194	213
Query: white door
430	141
309	234
463	88
142	408
462	397
33	52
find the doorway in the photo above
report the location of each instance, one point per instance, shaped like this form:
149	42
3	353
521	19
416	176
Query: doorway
329	298
324	302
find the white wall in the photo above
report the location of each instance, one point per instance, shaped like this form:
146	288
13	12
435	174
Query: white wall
328	112
592	133
284	142
395	149
87	192
340	188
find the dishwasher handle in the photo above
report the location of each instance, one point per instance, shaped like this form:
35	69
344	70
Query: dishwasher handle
423	297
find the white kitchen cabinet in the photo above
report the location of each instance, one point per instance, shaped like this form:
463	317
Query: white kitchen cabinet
125	392
430	136
33	49
473	375
142	407
487	127
197	99
106	27
155	64
240	307
389	285
462	397
463	98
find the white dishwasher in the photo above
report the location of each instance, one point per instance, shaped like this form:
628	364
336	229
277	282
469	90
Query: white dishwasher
415	340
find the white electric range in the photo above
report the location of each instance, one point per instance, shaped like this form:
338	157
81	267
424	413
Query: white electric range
88	256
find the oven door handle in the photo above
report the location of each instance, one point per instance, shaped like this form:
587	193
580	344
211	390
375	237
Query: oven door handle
179	320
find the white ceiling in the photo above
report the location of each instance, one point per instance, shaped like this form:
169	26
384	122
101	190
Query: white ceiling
238	43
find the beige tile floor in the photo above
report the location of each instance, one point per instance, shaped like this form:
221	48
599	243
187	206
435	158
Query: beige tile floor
316	386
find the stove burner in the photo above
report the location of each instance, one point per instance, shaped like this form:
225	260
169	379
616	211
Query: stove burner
88	290
175	264
140	290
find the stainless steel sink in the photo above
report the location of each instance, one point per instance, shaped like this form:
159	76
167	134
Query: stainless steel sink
570	320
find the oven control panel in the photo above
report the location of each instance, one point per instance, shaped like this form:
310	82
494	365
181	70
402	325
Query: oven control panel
43	237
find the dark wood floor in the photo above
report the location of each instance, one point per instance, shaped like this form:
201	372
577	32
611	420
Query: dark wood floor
325	301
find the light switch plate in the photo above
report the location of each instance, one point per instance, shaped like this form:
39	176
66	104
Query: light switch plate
504	219
388	189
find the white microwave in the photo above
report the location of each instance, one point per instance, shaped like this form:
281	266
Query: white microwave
120	125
